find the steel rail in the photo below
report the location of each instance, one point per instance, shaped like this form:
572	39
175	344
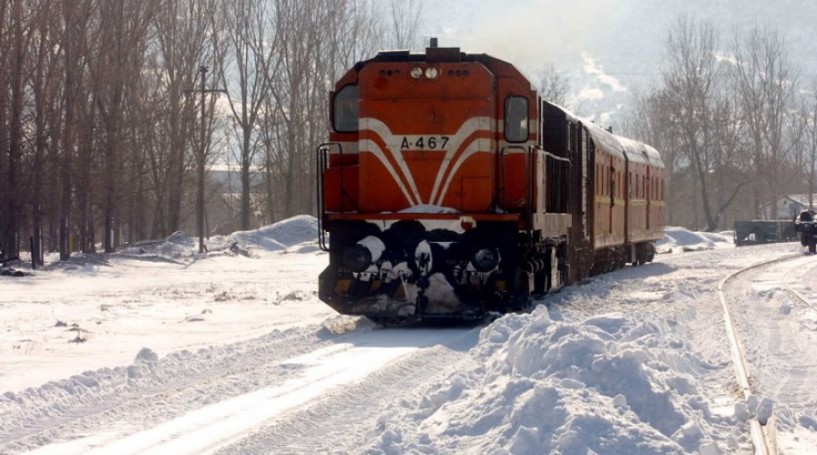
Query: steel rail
764	442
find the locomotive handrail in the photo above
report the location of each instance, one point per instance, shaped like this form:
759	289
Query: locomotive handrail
552	156
500	180
529	181
322	163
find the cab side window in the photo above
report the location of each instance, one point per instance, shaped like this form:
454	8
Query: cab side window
346	109
516	119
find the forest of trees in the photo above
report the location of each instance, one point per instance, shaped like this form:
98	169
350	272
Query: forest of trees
735	121
113	111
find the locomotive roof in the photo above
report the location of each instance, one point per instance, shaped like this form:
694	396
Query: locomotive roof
432	54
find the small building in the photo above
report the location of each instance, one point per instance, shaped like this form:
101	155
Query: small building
787	207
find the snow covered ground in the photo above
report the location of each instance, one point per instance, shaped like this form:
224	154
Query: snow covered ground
157	349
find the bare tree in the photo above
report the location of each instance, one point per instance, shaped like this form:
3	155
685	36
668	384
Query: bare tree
46	86
17	48
123	30
294	88
250	50
402	30
553	85
75	18
99	108
183	29
4	172
690	88
809	114
766	82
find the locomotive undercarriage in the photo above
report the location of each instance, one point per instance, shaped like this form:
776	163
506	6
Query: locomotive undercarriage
544	261
409	270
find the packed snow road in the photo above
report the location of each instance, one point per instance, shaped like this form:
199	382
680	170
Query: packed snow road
261	387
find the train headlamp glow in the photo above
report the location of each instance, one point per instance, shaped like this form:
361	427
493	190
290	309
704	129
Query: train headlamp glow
416	72
432	72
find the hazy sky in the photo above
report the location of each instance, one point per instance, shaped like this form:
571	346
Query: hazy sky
610	50
527	32
632	33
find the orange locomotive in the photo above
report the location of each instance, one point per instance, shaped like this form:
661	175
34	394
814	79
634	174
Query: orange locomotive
450	189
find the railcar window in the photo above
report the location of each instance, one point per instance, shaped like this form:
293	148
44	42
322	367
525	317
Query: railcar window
516	119
612	183
643	186
346	109
598	179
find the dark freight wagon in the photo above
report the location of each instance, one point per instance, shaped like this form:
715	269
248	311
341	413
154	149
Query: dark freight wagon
756	232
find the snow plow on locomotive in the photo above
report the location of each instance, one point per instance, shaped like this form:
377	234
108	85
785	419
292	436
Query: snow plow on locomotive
450	189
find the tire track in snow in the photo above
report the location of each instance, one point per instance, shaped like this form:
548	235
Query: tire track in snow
150	392
339	422
288	386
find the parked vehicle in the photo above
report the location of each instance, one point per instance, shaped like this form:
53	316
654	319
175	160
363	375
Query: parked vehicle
807	227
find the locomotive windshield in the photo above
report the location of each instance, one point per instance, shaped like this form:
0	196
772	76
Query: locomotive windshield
346	109
516	119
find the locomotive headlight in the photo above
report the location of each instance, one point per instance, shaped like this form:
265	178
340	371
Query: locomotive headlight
361	255
485	260
432	72
357	258
416	72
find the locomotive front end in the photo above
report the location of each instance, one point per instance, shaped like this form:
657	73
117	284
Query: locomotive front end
409	194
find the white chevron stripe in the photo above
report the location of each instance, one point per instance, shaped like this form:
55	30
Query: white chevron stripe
455	142
473	147
367	145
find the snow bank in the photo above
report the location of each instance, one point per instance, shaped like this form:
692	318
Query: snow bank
538	385
276	237
296	234
678	239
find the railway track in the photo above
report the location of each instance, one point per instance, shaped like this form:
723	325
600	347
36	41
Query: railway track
762	428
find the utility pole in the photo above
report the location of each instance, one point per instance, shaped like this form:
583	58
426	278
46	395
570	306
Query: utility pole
200	167
201	157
